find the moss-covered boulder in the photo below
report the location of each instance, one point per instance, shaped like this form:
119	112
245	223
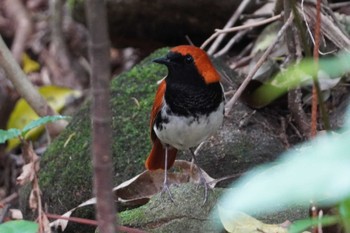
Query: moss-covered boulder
66	173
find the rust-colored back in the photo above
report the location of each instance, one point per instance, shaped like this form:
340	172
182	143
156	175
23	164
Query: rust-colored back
156	159
157	105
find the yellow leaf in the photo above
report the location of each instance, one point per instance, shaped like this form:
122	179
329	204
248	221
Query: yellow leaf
57	98
29	65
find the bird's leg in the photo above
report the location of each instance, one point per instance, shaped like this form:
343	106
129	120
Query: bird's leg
194	155
202	179
165	183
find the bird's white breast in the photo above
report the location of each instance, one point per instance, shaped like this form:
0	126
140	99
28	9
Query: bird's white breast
185	132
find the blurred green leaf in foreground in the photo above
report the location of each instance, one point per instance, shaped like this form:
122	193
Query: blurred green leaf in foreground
317	171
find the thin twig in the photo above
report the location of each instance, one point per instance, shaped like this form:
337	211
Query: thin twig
339	5
190	42
233	40
231	22
306	48
245	51
8	199
296	108
255	16
58	43
73	219
238	28
316	56
334	17
246	26
212	37
294	96
243	61
314	215
24	27
238	93
328	29
92	222
214	182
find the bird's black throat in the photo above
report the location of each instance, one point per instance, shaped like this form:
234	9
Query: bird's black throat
187	93
193	98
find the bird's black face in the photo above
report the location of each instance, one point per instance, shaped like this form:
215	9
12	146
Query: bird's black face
175	59
181	68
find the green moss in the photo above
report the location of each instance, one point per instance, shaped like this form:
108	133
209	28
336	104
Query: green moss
133	217
66	173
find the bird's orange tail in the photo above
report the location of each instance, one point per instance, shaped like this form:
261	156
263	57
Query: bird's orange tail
156	159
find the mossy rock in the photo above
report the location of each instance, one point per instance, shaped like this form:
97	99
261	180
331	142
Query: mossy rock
66	168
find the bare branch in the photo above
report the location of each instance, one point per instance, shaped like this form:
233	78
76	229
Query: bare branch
315	90
231	22
24	27
267	52
238	28
251	25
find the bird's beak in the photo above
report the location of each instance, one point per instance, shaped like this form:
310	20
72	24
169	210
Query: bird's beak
162	60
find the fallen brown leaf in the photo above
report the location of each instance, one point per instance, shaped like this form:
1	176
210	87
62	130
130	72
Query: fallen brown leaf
33	200
27	175
45	224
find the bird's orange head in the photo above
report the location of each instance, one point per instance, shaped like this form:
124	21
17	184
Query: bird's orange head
184	60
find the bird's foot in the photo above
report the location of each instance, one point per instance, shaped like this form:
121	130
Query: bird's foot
203	182
166	189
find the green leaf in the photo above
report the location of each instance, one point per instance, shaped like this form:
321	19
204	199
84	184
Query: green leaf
8	134
42	121
19	226
344	211
317	170
296	75
302	225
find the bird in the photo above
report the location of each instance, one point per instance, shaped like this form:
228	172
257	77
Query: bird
188	108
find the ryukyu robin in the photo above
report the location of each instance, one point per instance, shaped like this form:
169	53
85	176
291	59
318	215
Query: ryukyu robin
188	107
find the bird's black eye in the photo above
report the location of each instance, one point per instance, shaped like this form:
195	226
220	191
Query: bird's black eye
188	59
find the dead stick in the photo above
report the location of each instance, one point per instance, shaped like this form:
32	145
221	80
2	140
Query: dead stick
231	22
247	26
23	27
316	56
8	199
238	28
92	222
267	52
